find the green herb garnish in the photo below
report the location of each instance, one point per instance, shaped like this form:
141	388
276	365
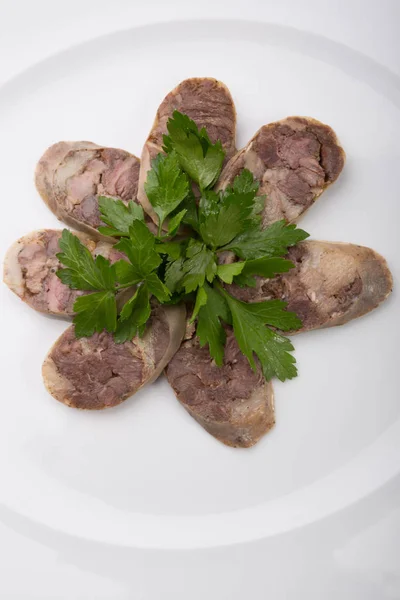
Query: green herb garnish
190	266
118	216
98	310
166	187
197	156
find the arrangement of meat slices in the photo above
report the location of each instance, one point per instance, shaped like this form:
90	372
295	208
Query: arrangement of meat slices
294	160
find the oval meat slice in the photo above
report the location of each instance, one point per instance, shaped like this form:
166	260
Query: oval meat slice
332	283
209	103
232	402
95	373
71	175
294	160
30	268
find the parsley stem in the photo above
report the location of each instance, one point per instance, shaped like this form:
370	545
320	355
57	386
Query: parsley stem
125	285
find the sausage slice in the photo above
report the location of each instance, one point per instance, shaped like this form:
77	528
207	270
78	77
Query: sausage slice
232	402
294	160
30	268
71	175
95	373
209	103
332	283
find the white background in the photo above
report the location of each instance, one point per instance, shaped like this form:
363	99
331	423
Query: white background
353	555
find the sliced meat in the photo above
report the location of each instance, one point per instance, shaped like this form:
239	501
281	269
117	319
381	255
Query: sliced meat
95	373
232	402
331	283
30	268
71	175
209	103
294	160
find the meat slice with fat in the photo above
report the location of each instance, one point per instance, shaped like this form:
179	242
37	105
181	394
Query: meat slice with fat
71	175
209	103
294	160
95	373
232	402
331	283
30	268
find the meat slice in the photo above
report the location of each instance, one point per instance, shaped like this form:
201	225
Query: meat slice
232	402
30	268
294	160
209	103
95	373
71	175
332	283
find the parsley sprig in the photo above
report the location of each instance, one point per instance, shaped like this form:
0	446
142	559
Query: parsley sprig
197	156
191	267
105	283
166	186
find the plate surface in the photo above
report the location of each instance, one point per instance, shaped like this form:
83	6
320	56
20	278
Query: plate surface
145	474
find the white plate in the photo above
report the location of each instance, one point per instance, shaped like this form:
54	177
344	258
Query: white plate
145	474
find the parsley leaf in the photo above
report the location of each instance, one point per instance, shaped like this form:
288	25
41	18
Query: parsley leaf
273	313
224	215
201	300
140	249
191	217
175	222
245	183
157	287
166	185
118	216
197	156
134	315
266	267
190	271
126	273
173	274
272	349
198	266
171	249
126	330
83	272
143	253
209	328
272	241
227	272
95	312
